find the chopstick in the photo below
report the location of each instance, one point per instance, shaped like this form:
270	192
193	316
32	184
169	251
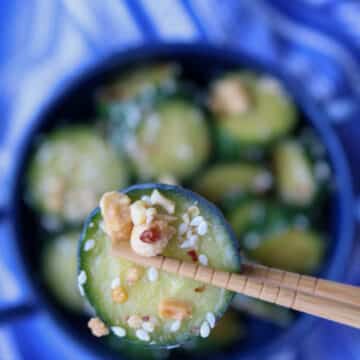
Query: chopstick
326	299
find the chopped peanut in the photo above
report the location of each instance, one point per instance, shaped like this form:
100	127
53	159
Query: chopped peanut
135	321
151	239
97	327
133	275
229	97
158	199
174	309
138	212
119	295
115	209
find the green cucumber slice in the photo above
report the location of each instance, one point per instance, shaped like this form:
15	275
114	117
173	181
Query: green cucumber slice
70	169
268	114
218	244
294	176
225	180
140	81
59	269
291	249
171	139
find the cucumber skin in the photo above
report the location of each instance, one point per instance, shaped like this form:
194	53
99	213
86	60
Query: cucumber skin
95	216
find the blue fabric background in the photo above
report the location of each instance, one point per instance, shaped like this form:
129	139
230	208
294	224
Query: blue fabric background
44	43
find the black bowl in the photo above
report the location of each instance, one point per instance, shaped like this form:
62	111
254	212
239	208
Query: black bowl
73	101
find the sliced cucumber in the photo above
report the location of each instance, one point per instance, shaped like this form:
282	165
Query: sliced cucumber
101	268
291	249
295	180
265	114
59	268
140	81
69	171
224	180
171	139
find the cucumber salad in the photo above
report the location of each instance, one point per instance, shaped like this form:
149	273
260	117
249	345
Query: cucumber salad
239	141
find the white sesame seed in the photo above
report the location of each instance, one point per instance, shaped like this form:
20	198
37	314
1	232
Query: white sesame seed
193	211
196	221
189	243
119	331
148	326
152	274
141	334
182	228
115	283
102	226
91	225
205	329
89	244
82	277
175	326
210	318
202	228
203	260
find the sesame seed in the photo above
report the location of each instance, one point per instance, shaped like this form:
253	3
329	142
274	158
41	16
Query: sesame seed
196	221
205	329
115	283
152	274
89	244
91	225
102	226
148	326
203	260
193	211
118	331
189	243
210	318
202	228
82	277
141	334
175	326
182	228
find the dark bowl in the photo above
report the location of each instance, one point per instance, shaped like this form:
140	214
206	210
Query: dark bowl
73	101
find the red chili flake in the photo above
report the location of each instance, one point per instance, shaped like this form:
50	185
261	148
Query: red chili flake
146	318
200	289
193	254
150	236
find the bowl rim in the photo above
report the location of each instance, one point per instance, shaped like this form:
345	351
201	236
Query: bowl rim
318	120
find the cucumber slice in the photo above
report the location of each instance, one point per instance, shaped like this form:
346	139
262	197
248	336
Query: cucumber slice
218	244
265	113
59	268
171	139
227	180
142	81
291	249
295	180
69	171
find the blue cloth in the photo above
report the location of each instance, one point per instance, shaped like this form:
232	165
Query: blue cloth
44	43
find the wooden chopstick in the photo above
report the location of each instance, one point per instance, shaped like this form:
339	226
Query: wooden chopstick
326	299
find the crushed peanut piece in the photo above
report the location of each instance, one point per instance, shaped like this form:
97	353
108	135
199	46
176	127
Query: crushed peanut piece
134	321
115	210
193	211
98	327
158	199
151	239
175	309
133	275
230	97
138	212
119	295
